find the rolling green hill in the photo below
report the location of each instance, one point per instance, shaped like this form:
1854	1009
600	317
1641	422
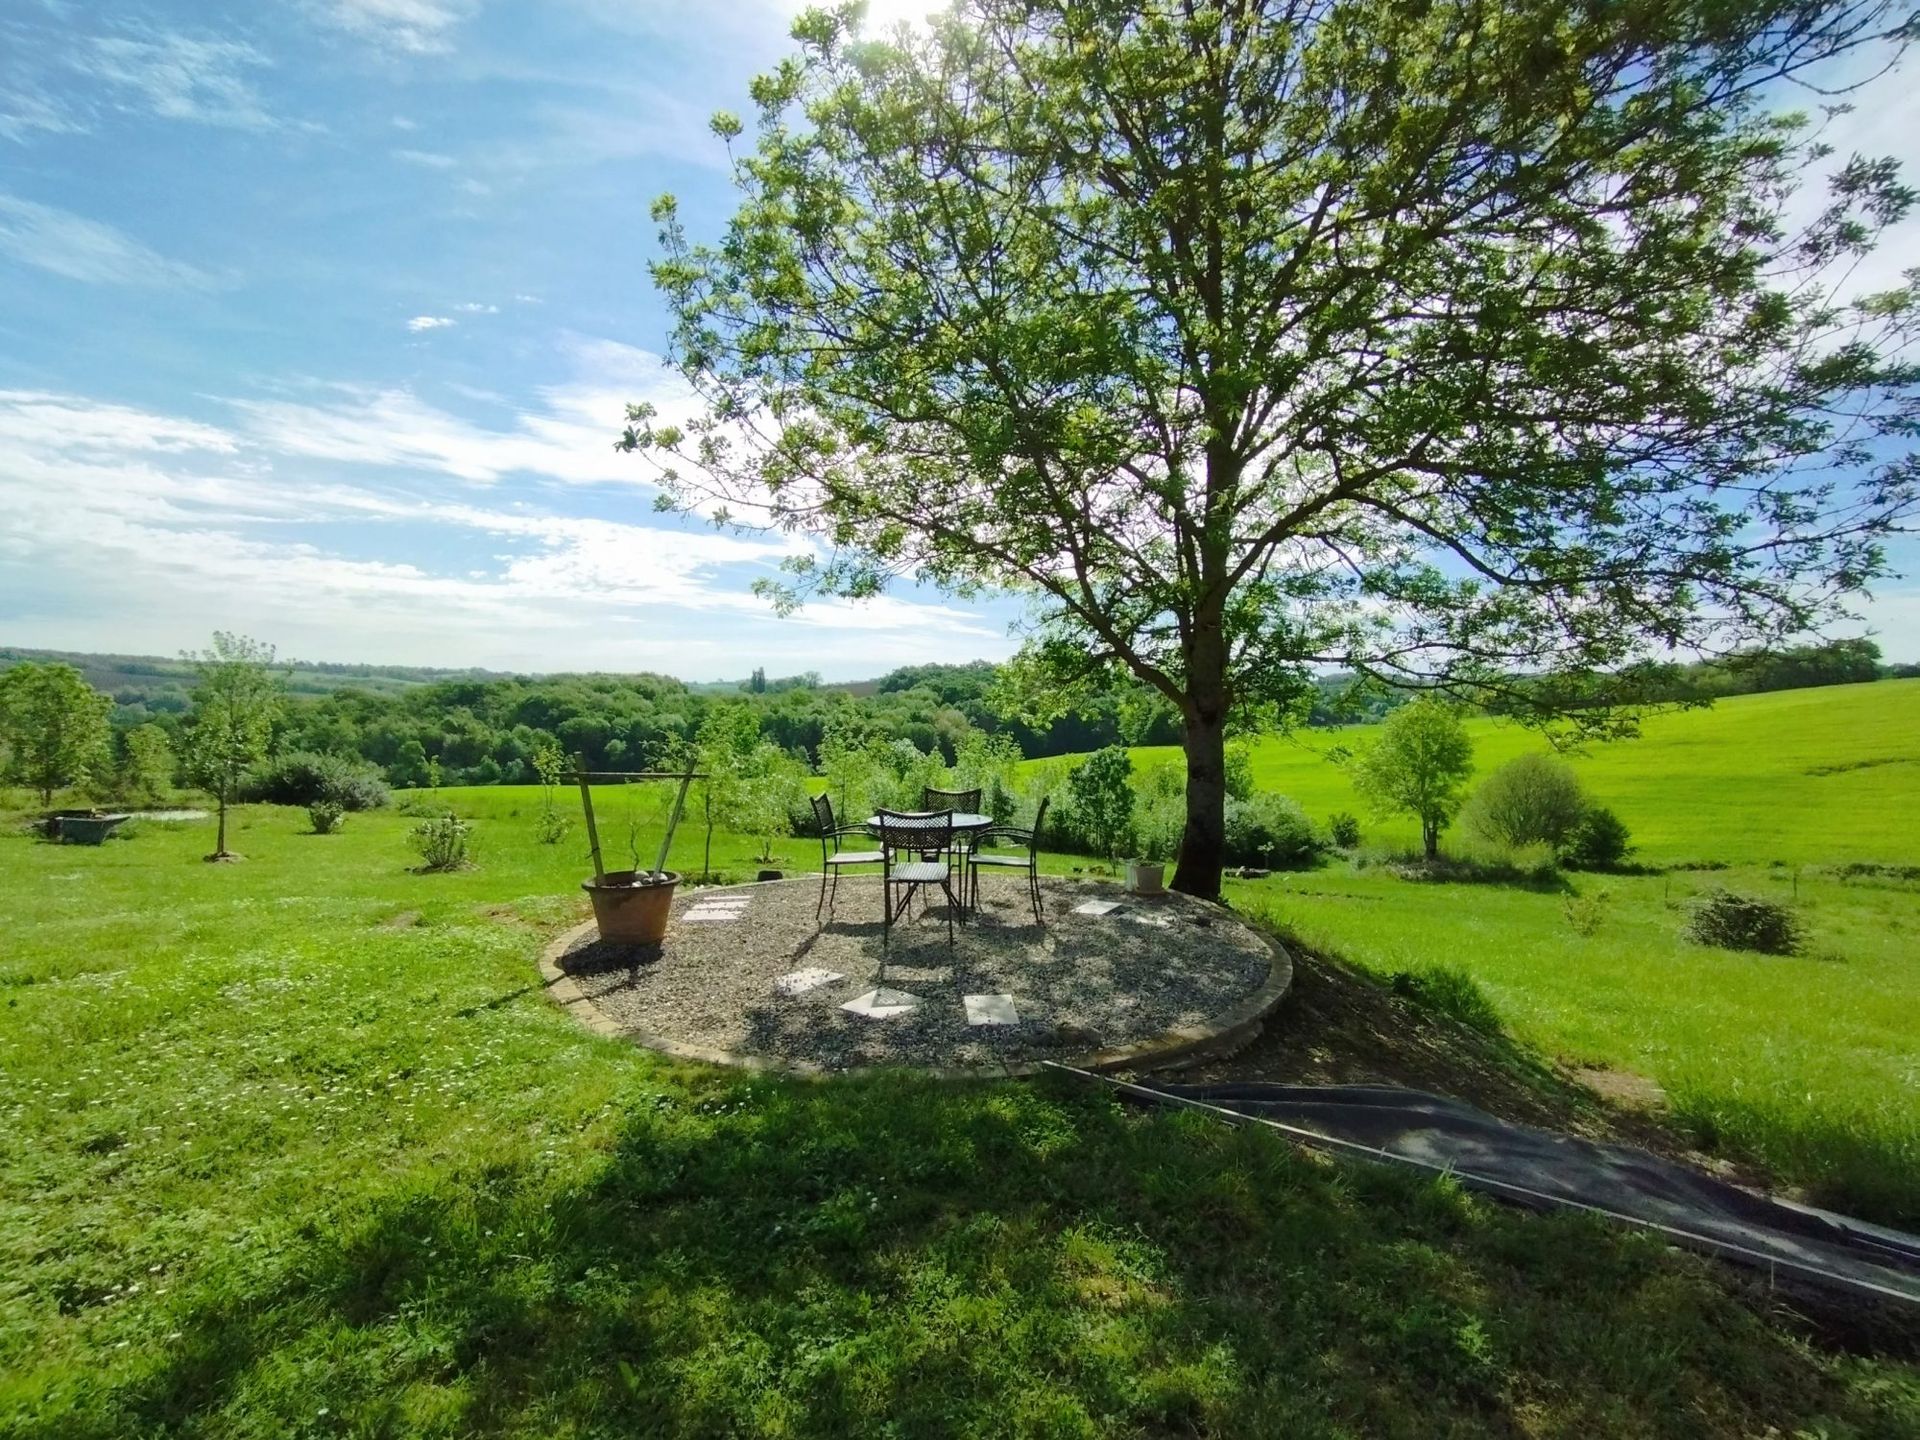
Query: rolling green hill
161	685
1827	776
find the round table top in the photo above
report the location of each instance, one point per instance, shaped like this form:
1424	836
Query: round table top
962	819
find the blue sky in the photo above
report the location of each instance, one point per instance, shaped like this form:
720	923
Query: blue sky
317	318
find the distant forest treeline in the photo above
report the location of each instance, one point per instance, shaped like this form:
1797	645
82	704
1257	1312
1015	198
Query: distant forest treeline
483	728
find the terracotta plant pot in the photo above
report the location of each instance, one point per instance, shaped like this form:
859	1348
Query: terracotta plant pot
1146	877
631	906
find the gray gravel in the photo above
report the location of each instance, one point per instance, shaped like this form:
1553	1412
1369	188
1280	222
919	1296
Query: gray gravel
1079	983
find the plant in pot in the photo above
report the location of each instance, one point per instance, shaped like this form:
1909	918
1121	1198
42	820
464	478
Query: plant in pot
1148	874
631	907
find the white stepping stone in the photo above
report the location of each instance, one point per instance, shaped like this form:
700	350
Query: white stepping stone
799	982
719	908
1097	907
712	917
883	1004
990	1010
1159	922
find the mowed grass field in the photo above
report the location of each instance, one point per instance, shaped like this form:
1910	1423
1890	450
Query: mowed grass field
298	1147
1805	777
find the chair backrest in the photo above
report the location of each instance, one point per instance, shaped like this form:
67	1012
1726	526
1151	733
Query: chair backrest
967	802
901	831
1039	821
823	821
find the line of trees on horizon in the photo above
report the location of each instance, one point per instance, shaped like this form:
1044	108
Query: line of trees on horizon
57	731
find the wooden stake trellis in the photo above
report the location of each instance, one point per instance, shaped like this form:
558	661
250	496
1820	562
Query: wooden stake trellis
586	777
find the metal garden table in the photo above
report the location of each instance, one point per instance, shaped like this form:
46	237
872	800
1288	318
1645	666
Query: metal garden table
965	822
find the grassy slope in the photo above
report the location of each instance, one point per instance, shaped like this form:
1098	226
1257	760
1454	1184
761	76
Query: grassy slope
1807	1064
297	1147
1737	782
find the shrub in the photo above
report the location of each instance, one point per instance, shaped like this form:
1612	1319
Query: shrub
1598	842
549	765
1102	794
1271	830
326	816
442	843
1745	922
1531	866
1587	913
1161	822
1343	828
301	777
1531	800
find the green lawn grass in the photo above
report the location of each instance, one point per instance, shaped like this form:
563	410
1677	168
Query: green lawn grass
1820	777
1808	1064
298	1147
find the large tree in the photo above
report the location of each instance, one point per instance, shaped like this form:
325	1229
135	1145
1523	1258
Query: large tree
239	698
1486	347
53	726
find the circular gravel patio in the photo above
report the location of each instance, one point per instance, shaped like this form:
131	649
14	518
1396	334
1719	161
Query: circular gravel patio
748	976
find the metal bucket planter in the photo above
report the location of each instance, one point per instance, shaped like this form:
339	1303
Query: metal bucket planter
1146	877
632	907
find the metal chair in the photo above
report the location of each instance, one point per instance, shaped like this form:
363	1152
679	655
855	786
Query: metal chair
915	836
833	858
965	802
1030	862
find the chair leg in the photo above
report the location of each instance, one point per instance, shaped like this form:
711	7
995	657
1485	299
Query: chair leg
1033	890
821	904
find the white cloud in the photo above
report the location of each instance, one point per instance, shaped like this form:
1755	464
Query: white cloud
26	109
129	66
76	248
426	159
142	530
1892	614
420	323
178	77
41	421
567	435
475	307
409	26
402	122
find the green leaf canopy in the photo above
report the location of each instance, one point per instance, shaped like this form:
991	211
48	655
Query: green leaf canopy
1472	345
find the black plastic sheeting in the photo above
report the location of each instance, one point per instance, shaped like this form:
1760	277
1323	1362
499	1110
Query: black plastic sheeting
1544	1169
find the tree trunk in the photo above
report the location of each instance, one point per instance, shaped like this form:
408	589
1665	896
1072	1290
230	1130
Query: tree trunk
1203	845
220	841
1430	836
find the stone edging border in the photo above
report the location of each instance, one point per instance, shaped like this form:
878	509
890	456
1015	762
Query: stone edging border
1222	1034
